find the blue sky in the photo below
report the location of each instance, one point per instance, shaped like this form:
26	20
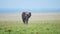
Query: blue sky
14	6
30	4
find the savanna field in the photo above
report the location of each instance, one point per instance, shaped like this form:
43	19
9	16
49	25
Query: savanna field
38	24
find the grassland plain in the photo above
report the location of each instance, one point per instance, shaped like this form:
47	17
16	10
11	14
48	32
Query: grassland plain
38	24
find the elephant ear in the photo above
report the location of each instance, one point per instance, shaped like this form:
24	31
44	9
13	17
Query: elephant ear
23	14
29	14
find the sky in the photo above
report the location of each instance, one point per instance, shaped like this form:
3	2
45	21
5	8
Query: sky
30	4
34	5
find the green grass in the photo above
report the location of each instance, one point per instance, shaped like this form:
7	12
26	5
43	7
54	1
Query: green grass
34	27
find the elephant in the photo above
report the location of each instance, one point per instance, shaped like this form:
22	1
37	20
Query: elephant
25	17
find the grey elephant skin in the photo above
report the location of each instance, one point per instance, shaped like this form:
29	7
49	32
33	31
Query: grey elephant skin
25	17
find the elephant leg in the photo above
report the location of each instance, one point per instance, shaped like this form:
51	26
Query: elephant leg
27	21
24	21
